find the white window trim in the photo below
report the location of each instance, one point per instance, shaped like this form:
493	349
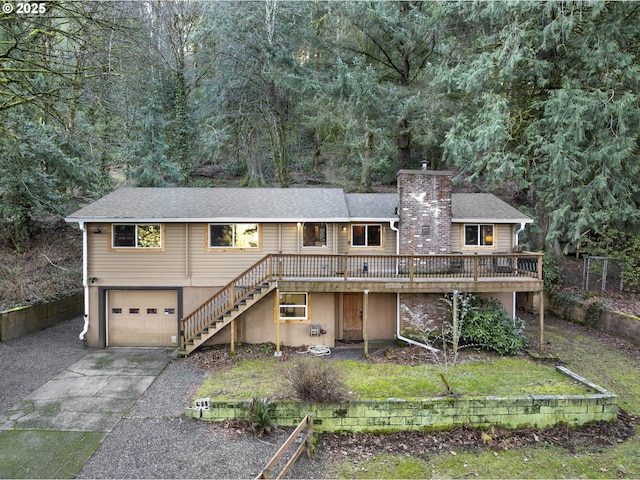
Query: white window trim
227	247
305	306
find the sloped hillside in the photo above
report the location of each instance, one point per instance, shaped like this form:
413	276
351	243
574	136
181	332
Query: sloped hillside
50	268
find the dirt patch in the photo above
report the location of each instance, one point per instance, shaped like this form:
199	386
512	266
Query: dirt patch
585	440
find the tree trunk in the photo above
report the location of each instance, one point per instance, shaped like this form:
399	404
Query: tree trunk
255	177
404	144
365	178
280	155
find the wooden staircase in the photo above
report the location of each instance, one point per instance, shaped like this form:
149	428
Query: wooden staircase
226	305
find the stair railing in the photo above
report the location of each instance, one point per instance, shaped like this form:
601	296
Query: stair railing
225	299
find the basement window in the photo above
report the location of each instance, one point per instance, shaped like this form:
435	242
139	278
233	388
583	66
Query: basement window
294	306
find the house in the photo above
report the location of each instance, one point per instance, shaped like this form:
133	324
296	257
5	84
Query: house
187	267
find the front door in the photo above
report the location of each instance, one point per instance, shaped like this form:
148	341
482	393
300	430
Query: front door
352	316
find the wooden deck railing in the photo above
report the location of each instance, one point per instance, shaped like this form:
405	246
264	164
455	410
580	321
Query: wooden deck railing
408	267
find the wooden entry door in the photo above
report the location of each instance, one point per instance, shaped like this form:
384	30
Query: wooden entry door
352	316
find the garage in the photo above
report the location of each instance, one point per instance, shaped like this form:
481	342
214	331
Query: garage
142	318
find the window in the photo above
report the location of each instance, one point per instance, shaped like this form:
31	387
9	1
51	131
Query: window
366	235
137	236
478	235
314	234
294	306
233	235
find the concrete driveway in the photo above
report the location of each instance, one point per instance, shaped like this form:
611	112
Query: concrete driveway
72	413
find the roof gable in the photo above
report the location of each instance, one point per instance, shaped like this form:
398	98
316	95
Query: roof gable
485	207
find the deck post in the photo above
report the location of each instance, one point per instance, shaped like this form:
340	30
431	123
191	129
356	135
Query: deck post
232	326
541	321
365	325
276	313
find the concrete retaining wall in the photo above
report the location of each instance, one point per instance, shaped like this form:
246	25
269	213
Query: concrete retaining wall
434	413
614	323
21	321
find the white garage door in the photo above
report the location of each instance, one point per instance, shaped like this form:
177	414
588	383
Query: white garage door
142	318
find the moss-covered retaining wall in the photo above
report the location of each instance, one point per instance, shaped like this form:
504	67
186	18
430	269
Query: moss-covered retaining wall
22	321
432	414
589	313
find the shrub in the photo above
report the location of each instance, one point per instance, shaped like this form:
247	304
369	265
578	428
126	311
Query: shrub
261	418
489	326
316	380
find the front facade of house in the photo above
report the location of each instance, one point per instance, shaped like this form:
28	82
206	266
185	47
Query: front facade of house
189	266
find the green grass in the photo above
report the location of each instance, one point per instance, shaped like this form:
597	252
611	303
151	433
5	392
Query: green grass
245	380
584	355
45	454
250	378
545	461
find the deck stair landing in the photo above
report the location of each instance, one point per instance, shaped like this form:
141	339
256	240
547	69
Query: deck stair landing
225	306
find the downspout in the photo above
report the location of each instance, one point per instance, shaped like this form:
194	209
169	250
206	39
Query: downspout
85	284
519	231
398	334
397	230
513	298
405	339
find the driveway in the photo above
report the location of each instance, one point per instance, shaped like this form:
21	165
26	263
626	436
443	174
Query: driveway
54	428
68	411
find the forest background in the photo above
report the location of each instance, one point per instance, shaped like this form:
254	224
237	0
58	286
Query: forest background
536	100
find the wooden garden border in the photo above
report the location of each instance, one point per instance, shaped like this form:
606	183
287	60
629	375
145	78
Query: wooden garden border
307	422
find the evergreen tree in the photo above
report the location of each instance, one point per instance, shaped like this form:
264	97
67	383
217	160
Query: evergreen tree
550	99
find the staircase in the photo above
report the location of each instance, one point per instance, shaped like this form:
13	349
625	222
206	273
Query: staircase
225	306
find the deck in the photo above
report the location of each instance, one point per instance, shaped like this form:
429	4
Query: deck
410	273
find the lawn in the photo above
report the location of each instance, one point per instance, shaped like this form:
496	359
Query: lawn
588	354
365	381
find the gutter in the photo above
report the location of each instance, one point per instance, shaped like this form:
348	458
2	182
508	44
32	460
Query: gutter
85	284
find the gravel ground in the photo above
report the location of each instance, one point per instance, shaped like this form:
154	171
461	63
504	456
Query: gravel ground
156	440
29	362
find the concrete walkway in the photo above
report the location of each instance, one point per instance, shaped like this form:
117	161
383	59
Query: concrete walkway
90	396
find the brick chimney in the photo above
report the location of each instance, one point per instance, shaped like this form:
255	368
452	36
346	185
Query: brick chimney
425	211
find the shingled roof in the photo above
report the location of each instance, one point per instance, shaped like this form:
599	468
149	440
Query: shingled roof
276	205
217	205
484	207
